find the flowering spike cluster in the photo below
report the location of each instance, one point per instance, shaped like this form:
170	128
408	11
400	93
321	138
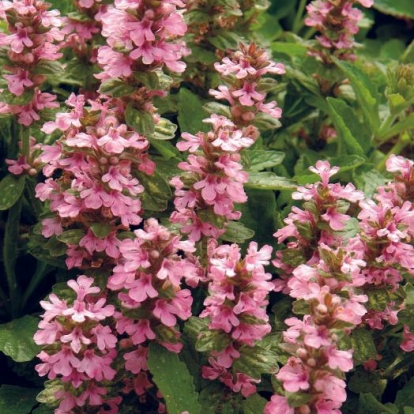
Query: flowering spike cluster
327	288
337	21
213	179
213	176
82	38
27	49
148	276
244	72
95	193
79	347
236	309
384	243
324	215
142	33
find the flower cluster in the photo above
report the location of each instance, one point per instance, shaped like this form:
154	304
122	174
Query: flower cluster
213	176
148	276
79	346
91	188
320	223
337	21
236	310
244	72
27	50
141	33
327	291
384	242
213	179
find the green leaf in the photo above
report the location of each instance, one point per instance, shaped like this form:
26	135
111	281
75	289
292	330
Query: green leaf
254	404
216	399
255	361
191	112
116	88
140	121
11	188
363	381
165	148
365	92
260	208
173	380
16	338
217	108
296	399
363	345
266	122
405	397
71	236
368	180
225	40
269	181
157	191
11	99
400	8
101	230
236	232
290	49
261	159
164	130
368	404
17	400
339	112
148	79
408	410
400	127
10	254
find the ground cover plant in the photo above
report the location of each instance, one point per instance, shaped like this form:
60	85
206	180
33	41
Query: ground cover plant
206	206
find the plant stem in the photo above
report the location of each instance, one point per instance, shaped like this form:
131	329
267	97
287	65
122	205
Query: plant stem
298	22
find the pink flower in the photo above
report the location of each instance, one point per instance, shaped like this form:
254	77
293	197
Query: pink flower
278	405
294	375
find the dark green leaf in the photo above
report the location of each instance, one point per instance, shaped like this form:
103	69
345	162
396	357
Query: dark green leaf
254	404
71	236
16	339
236	232
216	399
365	91
116	88
261	159
368	404
11	188
157	191
290	49
296	399
173	380
363	345
258	214
212	340
255	361
363	381
339	112
11	99
405	397
269	181
191	112
140	121
148	79
17	400
165	148
101	230
225	40
400	8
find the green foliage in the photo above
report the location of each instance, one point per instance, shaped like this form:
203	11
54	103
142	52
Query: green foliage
17	400
16	338
175	383
11	188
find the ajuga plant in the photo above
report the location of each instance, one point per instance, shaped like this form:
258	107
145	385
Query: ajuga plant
204	212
